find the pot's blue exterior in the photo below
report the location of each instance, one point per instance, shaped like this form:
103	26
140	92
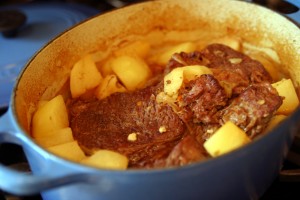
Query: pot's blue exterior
242	174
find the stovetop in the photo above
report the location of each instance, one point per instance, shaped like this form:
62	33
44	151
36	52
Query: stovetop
285	187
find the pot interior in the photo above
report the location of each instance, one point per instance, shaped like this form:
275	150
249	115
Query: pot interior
168	21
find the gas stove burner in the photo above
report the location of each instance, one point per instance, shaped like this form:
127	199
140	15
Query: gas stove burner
121	3
280	6
11	21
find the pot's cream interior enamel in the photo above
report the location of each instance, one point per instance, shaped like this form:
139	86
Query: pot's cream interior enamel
159	21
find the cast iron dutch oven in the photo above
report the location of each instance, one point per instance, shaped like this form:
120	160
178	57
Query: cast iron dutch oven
245	173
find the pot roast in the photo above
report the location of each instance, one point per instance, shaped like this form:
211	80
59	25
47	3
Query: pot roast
156	134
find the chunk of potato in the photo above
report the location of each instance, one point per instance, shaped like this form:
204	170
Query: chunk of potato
286	89
137	48
271	53
56	137
226	139
164	58
108	86
132	71
41	103
276	119
52	116
69	150
106	67
174	80
84	76
232	42
107	159
191	72
268	65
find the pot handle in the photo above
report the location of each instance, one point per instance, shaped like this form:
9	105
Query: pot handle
296	15
22	183
25	183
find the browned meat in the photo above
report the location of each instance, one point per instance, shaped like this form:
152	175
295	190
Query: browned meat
253	108
106	124
234	70
201	99
185	59
187	151
239	90
204	101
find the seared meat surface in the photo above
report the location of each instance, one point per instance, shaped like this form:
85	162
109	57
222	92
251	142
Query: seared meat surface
234	71
253	108
107	124
167	135
201	99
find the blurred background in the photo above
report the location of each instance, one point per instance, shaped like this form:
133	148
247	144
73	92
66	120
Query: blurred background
101	5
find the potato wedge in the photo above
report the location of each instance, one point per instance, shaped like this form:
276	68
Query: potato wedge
107	159
41	103
164	58
286	88
274	122
84	76
70	151
271	53
49	117
191	72
132	71
108	86
105	68
232	42
226	139
137	48
56	137
174	80
268	65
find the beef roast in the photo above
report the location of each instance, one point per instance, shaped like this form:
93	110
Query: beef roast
253	108
166	135
203	98
106	124
234	70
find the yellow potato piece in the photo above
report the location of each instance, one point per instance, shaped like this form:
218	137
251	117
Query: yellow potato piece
107	159
268	65
232	42
286	89
187	47
192	71
108	86
137	48
274	122
84	76
41	103
174	80
70	151
132	71
52	116
106	68
271	53
226	139
56	137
